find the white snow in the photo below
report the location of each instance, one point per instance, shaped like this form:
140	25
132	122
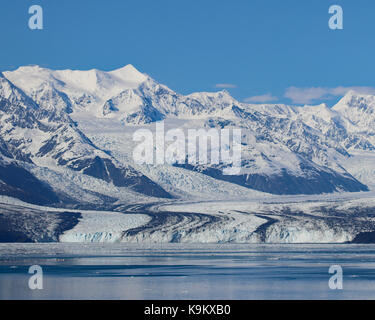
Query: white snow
103	227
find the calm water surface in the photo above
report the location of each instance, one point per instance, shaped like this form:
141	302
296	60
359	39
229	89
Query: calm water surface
179	271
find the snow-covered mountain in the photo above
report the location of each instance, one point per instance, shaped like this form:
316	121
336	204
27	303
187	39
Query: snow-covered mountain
63	125
36	129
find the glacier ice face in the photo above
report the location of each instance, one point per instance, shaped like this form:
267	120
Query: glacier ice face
103	227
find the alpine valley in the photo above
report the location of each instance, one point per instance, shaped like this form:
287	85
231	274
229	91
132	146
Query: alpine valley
67	171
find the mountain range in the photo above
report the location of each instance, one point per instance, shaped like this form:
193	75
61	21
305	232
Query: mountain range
66	140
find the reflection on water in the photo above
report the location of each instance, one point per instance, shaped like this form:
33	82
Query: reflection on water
122	271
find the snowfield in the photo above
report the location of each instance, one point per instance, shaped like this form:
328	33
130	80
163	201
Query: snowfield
103	226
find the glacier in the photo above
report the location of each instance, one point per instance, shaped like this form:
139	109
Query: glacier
344	218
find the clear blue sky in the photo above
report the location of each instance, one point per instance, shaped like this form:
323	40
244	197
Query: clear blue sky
258	46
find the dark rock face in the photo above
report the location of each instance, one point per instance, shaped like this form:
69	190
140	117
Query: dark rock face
284	184
23	224
105	170
109	107
364	237
147	114
19	183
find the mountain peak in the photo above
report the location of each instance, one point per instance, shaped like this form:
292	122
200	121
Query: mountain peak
28	67
350	95
128	67
354	99
358	94
129	73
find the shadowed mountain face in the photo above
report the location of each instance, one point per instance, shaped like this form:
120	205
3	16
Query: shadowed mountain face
285	183
23	224
285	149
105	170
19	183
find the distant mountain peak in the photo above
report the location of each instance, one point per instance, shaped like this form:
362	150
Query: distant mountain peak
30	66
354	99
128	68
355	95
351	93
129	73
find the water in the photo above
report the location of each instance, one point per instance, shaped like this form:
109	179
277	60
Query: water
176	271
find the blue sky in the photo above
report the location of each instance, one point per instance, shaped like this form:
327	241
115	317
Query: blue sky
259	50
